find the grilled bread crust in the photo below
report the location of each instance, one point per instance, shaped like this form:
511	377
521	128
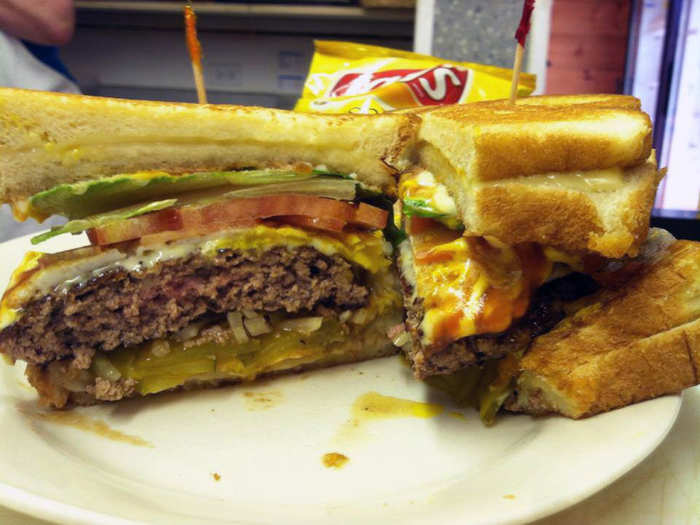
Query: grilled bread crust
486	152
634	343
613	223
51	138
494	140
599	99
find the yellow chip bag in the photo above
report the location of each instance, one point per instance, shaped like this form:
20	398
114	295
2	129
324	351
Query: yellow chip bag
358	78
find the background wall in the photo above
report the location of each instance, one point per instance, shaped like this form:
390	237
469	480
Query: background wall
587	46
476	30
584	42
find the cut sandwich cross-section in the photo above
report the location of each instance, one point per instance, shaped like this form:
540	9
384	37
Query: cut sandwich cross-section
226	242
505	198
216	308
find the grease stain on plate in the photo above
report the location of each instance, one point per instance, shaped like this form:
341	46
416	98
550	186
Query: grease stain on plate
262	400
87	424
374	406
334	460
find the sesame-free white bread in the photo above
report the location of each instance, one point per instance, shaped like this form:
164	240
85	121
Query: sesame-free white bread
50	138
599	99
487	154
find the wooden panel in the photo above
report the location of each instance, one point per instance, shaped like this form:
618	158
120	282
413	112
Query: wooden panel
569	81
590	17
587	46
601	52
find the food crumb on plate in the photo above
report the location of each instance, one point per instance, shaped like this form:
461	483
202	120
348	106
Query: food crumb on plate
216	476
334	460
509	496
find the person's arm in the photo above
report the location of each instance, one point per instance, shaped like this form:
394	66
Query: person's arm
49	22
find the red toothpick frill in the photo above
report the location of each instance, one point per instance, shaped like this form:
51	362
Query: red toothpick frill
524	26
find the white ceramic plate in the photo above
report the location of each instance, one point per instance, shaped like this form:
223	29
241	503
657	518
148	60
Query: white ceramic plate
266	441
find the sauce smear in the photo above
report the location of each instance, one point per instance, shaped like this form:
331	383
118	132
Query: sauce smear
88	424
373	405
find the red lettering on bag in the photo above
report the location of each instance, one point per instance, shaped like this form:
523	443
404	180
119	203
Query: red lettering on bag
443	84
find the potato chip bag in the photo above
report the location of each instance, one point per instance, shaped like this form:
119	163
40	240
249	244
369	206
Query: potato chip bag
345	77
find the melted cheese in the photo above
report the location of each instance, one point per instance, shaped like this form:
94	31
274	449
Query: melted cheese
473	285
366	249
8	314
594	181
421	185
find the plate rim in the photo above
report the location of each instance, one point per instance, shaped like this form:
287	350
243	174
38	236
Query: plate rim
46	508
614	476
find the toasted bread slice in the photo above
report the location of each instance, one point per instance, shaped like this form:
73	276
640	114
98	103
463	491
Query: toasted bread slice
598	99
634	343
492	140
587	167
50	138
613	222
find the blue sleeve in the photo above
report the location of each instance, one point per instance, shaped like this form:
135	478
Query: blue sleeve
49	56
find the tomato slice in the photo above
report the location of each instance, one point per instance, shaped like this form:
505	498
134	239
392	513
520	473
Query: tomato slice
136	227
266	207
307	211
416	225
370	216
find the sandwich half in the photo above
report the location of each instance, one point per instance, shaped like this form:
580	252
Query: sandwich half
636	339
504	198
224	243
627	333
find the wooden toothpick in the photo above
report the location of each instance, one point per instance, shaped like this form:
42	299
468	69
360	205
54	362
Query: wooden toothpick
520	36
195	49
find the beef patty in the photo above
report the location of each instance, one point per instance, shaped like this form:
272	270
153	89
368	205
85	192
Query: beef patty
547	308
122	308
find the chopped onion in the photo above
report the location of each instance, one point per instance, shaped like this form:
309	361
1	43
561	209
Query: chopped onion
104	368
235	321
160	348
395	330
189	332
77	382
360	316
305	325
401	339
257	326
250	314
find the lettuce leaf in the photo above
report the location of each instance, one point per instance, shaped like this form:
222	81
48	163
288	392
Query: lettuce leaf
80	225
